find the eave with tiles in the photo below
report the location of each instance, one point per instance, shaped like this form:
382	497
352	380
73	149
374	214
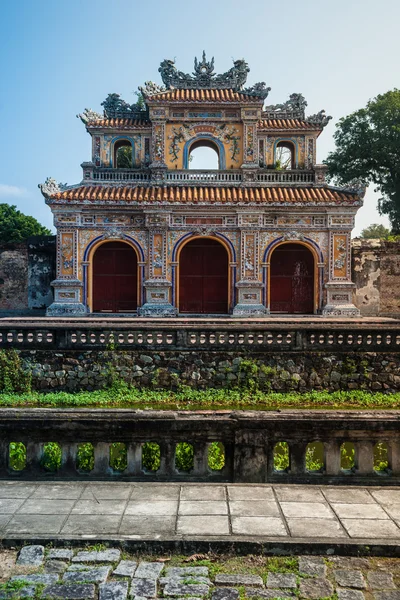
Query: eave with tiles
160	202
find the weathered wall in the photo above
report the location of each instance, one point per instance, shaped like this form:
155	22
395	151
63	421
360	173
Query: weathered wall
13	277
26	270
41	270
376	273
285	371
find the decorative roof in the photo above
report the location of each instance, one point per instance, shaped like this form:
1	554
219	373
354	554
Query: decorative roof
207	195
203	95
204	77
283	124
102	123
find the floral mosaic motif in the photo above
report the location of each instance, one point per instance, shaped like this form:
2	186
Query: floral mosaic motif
310	153
249	142
67	253
340	256
184	133
158	143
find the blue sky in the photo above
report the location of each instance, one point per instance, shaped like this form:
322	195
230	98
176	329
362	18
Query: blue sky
59	56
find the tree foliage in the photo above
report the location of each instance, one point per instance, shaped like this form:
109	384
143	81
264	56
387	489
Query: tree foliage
375	231
368	149
17	227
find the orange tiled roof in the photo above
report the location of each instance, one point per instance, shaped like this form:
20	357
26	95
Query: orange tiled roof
209	195
203	95
120	123
285	124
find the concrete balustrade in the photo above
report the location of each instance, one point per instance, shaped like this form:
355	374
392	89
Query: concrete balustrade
249	441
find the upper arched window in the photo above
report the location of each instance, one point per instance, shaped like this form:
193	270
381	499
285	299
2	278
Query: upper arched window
203	154
123	155
285	157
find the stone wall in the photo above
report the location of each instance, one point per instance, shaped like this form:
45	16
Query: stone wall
287	371
13	277
376	273
26	270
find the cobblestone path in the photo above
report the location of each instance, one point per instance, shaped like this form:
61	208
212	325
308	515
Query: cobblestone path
109	574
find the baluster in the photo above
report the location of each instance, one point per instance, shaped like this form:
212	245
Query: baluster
332	458
101	459
134	451
200	459
394	456
34	455
365	457
167	462
4	458
68	459
297	452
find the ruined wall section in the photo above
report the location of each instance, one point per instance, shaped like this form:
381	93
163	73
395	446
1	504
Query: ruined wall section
376	273
13	277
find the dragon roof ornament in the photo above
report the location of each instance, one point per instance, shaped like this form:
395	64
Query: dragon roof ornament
204	76
116	108
51	187
294	108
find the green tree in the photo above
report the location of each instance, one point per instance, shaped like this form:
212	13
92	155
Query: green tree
17	227
375	231
368	149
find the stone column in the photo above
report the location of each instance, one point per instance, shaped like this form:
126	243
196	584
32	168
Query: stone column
134	458
297	458
340	287
157	285
67	286
365	458
4	458
101	460
332	458
250	457
249	287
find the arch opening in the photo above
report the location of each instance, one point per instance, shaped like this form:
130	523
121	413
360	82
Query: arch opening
115	278
203	277
123	154
292	279
203	154
285	156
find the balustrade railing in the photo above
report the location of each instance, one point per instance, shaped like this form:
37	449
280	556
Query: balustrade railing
273	176
176	336
247	441
189	176
120	175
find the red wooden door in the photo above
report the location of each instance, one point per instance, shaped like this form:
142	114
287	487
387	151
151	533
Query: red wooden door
292	280
203	278
115	278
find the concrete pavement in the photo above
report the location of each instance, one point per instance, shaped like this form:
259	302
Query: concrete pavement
223	512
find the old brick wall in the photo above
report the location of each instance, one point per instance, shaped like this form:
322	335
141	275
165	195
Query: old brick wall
376	273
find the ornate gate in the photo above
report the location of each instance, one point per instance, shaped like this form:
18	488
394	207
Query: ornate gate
292	280
203	278
115	278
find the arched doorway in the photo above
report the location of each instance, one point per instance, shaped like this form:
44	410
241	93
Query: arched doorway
115	279
292	279
203	277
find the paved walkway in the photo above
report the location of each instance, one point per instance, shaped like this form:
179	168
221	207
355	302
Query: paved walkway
199	511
